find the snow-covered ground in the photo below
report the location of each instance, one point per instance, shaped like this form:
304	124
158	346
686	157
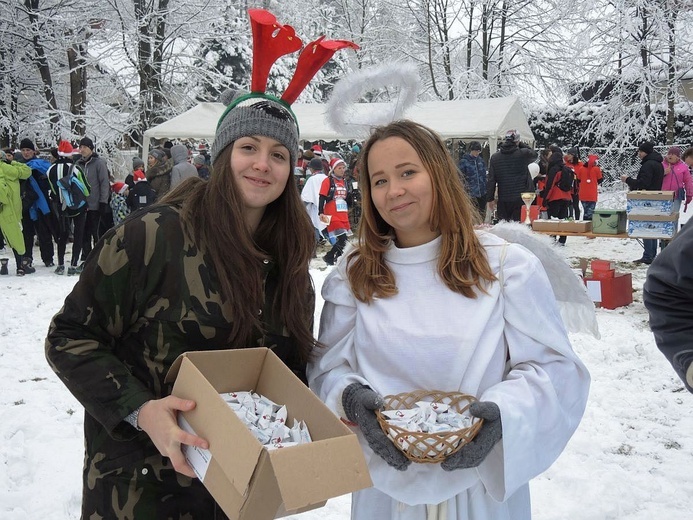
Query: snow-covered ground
631	457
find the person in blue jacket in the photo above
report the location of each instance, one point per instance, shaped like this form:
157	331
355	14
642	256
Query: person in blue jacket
473	174
37	219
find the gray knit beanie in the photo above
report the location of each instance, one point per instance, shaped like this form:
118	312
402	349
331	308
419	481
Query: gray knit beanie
158	154
255	114
137	163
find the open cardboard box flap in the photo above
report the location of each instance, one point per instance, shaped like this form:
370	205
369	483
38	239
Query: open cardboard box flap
650	195
272	483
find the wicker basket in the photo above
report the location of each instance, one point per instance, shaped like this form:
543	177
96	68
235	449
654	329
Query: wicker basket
428	447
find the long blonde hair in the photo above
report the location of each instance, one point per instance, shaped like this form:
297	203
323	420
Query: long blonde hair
462	265
212	214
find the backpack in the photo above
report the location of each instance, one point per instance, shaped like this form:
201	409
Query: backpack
565	181
74	190
347	185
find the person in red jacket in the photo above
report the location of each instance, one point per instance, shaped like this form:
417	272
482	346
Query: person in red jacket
589	177
557	201
334	210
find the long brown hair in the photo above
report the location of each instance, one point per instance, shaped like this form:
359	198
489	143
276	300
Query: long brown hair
212	214
462	264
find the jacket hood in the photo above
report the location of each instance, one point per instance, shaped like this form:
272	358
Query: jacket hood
592	160
179	153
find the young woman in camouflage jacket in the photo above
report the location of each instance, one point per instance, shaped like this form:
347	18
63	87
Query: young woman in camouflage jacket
214	265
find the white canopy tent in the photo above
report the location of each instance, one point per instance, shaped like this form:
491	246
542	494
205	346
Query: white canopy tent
483	120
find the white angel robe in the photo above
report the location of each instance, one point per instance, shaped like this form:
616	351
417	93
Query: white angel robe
311	198
428	337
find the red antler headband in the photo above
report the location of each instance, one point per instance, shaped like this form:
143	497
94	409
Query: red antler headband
271	41
258	113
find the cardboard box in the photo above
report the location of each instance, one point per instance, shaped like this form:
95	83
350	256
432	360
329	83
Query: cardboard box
609	222
533	213
611	293
575	226
653	226
650	202
248	481
545	225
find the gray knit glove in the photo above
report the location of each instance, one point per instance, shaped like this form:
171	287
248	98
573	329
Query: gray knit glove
359	403
474	453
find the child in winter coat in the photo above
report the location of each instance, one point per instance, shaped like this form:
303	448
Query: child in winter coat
142	195
118	202
677	178
137	165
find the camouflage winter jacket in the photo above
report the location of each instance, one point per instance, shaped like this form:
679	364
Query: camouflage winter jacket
146	295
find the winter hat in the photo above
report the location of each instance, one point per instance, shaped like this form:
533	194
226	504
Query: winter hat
336	161
646	147
475	145
138	175
573	151
27	143
158	154
316	149
119	187
85	141
199	159
65	148
356	148
315	164
255	114
202	147
137	163
259	113
674	150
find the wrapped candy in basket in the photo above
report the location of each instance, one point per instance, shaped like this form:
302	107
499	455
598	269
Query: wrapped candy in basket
428	425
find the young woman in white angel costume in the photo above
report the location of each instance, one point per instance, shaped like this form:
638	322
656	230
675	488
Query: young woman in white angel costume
426	301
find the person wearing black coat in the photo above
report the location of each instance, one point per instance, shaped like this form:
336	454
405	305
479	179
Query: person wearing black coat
668	297
508	170
650	177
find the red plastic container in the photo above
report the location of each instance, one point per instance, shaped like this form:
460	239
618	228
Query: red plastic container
615	292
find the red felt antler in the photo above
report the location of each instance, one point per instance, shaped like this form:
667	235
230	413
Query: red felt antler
313	57
271	40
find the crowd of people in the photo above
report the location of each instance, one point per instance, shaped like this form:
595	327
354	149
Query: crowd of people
69	195
565	185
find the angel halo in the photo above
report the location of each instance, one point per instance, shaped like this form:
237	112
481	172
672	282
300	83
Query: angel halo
343	113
